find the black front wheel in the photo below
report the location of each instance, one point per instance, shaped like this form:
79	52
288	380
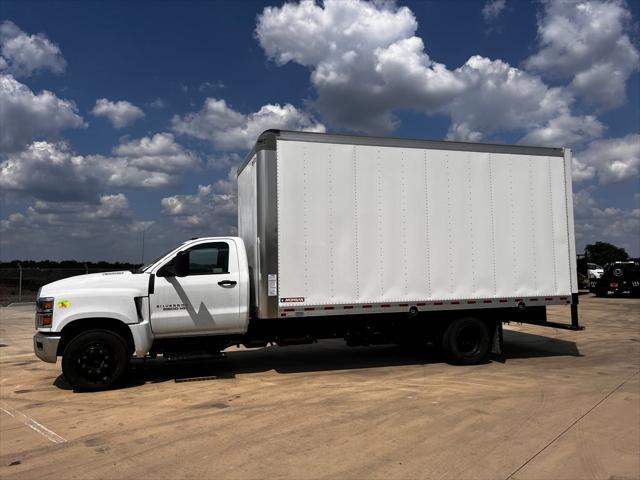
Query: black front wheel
466	341
95	360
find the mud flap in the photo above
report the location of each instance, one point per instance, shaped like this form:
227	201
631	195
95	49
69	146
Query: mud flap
497	344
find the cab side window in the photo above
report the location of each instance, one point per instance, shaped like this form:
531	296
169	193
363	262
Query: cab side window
209	258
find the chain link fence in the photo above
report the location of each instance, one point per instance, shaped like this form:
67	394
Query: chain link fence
21	283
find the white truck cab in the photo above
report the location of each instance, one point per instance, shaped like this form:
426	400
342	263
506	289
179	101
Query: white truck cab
594	272
199	288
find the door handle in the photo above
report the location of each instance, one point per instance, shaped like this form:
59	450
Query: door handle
227	283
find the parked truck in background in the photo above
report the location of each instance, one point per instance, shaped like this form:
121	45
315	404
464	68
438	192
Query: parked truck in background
594	272
374	240
619	278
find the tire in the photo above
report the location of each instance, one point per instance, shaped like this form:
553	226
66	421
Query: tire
466	341
95	360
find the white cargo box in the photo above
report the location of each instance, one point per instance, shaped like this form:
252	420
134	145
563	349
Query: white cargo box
338	224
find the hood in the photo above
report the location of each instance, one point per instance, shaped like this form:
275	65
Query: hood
98	281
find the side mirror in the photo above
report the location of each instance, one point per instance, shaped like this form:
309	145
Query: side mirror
182	264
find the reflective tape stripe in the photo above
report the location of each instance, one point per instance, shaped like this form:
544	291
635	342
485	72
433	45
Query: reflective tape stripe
406	307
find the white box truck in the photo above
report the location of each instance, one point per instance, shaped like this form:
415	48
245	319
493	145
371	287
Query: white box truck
374	240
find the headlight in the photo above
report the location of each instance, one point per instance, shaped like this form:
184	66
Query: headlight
44	312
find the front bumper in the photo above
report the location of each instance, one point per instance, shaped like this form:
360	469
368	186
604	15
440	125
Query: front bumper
46	347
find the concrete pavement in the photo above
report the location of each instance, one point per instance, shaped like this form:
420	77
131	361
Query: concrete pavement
559	405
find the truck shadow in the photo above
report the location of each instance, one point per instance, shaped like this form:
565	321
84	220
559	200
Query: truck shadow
324	356
528	345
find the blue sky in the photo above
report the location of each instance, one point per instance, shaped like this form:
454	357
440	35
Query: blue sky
153	104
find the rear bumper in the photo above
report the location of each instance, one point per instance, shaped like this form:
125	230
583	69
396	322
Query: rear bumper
46	347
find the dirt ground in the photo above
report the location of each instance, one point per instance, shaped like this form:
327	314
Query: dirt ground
557	405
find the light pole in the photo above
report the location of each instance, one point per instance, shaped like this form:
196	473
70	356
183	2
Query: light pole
20	283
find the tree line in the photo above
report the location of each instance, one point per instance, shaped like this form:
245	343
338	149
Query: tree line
101	265
603	253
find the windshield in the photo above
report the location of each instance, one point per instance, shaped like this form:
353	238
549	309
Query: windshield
146	267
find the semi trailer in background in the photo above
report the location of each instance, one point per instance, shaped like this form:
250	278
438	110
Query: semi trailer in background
374	240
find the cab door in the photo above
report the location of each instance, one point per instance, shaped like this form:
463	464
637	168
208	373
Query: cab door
206	300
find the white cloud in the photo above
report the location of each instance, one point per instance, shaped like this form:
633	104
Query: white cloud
365	26
218	84
364	59
492	9
498	97
90	229
54	173
587	40
224	160
23	54
581	172
148	162
366	63
613	159
108	207
404	65
25	115
49	171
212	206
565	130
120	113
619	226
228	129
157	104
77	230
158	153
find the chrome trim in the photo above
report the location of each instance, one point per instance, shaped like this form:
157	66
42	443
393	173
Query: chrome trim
46	347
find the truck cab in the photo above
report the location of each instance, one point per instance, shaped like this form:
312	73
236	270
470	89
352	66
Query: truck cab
594	272
97	321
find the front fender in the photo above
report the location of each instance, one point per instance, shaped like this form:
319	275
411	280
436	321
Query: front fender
113	304
116	304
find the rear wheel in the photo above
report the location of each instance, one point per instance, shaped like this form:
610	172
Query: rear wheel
466	341
95	360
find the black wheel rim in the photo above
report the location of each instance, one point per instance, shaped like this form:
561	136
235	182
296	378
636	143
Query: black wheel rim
468	341
96	363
